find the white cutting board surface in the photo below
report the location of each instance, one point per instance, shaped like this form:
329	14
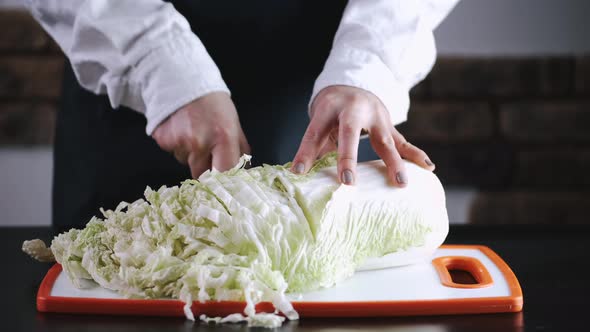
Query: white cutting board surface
413	282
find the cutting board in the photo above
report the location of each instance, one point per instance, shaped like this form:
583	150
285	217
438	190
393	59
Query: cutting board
460	279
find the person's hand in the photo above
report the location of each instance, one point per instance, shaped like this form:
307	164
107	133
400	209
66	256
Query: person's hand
203	134
338	115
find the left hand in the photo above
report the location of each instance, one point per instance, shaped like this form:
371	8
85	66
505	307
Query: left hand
204	134
338	115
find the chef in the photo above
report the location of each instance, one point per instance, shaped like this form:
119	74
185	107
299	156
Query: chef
147	101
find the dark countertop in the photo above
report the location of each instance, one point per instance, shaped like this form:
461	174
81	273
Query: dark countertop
551	263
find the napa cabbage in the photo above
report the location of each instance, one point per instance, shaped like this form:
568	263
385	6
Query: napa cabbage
255	235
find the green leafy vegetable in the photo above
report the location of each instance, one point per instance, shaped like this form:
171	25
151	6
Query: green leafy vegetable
254	235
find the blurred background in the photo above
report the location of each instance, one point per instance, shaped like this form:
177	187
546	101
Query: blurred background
505	113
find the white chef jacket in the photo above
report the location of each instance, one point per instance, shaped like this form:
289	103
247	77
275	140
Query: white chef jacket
143	54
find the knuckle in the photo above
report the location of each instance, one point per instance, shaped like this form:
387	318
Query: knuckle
189	142
361	104
348	129
346	159
384	142
404	145
303	156
311	136
219	131
190	122
222	134
358	101
399	138
326	101
411	149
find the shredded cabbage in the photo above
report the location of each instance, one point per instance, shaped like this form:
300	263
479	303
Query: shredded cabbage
254	235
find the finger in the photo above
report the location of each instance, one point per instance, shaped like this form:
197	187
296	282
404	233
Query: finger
314	138
384	145
244	146
245	149
225	155
349	132
412	153
330	146
166	142
333	136
198	163
181	155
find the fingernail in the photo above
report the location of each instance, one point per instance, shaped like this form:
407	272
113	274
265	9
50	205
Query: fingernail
428	162
347	176
401	178
299	168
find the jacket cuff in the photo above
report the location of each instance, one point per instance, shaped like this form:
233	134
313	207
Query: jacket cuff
173	75
365	70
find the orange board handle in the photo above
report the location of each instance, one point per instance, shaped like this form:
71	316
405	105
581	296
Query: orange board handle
468	264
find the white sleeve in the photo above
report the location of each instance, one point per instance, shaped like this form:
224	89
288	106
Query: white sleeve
142	54
385	47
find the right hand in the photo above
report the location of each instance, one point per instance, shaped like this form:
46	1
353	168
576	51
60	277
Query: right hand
338	114
204	133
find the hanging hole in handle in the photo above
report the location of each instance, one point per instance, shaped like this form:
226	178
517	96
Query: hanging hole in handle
462	277
462	272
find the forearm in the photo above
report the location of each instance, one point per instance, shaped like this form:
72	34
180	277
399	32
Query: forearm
384	47
142	54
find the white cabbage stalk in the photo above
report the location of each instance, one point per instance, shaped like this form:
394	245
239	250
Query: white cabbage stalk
257	234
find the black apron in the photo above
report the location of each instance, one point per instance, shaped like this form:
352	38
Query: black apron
269	52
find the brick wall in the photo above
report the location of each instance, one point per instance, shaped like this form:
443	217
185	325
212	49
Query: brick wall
517	129
31	67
